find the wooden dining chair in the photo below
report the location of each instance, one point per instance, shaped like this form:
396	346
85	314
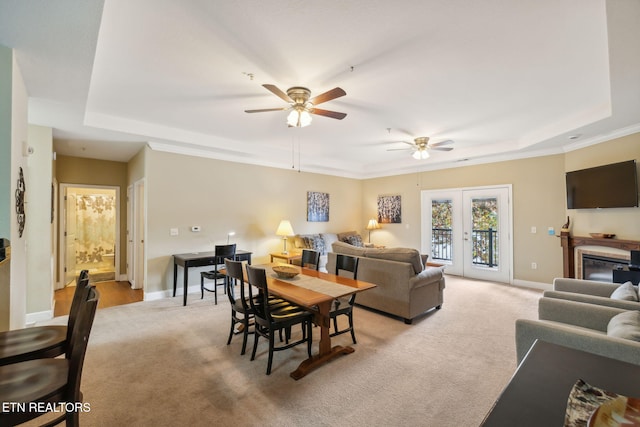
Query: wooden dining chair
269	320
310	259
222	252
241	311
53	380
41	342
344	306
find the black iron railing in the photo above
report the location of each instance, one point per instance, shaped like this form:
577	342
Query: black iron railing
485	246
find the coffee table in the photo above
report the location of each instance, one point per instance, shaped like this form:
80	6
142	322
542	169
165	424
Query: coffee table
538	391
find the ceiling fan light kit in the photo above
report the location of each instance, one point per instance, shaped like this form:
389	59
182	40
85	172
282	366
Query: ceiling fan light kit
301	107
420	147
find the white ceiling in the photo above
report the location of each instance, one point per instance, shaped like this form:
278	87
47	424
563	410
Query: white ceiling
503	79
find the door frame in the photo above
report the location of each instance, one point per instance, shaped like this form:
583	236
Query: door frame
62	209
458	195
138	233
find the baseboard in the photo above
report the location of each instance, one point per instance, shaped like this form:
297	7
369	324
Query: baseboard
41	316
151	296
123	278
534	285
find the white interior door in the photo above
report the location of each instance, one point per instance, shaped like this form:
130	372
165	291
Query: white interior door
469	231
130	257
70	237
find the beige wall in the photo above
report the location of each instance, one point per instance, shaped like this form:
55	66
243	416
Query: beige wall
538	200
39	238
220	196
623	222
76	170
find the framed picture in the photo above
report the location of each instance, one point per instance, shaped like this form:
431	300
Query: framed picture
389	209
317	206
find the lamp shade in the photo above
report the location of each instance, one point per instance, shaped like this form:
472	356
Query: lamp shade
421	155
373	224
299	117
285	229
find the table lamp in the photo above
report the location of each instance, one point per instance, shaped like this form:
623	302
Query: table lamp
229	234
373	224
284	230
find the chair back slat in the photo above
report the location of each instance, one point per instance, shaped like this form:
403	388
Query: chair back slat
79	341
226	251
310	259
79	296
259	297
236	276
347	263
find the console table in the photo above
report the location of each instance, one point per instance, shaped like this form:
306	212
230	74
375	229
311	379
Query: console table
537	393
199	259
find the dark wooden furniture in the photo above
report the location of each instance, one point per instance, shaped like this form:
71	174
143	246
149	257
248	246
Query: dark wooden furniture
53	380
621	276
310	259
344	306
42	342
321	304
199	259
538	391
269	319
569	243
222	252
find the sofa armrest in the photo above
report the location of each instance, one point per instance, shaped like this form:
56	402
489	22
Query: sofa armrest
527	331
591	299
589	287
581	314
426	277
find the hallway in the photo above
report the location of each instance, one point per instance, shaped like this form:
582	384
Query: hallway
112	293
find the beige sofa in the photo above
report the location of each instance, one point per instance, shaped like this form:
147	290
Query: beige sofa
406	288
593	292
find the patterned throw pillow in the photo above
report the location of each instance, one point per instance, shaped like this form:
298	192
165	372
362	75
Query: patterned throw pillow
316	243
355	240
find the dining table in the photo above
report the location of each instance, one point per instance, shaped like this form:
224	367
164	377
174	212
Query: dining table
315	291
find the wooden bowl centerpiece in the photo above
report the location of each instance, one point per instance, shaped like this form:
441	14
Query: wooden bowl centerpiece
285	271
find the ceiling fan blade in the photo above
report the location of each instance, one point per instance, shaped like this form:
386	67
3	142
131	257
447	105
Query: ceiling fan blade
328	96
441	148
437	144
327	113
400	149
262	110
274	89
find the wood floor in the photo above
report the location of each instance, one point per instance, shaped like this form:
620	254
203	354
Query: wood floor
111	294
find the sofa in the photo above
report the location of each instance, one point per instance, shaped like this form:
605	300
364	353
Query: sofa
322	242
624	296
406	287
606	331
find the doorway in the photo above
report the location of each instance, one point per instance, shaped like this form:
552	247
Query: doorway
469	231
90	232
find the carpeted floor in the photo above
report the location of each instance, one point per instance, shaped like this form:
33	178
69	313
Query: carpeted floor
161	364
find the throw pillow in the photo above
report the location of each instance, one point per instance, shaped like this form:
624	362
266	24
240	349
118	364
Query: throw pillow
314	242
625	292
625	325
355	240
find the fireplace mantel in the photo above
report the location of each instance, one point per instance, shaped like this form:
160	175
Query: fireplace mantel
569	244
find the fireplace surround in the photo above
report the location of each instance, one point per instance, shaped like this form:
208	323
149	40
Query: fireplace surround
570	244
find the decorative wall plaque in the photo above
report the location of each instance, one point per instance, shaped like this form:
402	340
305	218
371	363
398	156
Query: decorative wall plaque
20	190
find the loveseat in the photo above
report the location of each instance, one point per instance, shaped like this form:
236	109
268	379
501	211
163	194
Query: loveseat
616	295
607	331
406	287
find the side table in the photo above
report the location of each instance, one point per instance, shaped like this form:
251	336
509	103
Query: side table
288	257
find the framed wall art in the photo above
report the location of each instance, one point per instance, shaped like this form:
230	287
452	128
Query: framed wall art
317	206
389	209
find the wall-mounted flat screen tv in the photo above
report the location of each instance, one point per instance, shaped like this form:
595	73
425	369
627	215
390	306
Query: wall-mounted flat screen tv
608	186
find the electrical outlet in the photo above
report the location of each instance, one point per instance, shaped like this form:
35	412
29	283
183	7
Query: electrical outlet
534	266
534	230
173	231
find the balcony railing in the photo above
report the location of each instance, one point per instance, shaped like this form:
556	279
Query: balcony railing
485	246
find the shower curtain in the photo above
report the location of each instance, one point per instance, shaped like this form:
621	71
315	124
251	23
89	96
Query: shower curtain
95	228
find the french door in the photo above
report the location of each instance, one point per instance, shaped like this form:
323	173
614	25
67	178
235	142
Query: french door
469	230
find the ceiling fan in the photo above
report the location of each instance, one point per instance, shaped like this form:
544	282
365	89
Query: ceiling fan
301	106
420	147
